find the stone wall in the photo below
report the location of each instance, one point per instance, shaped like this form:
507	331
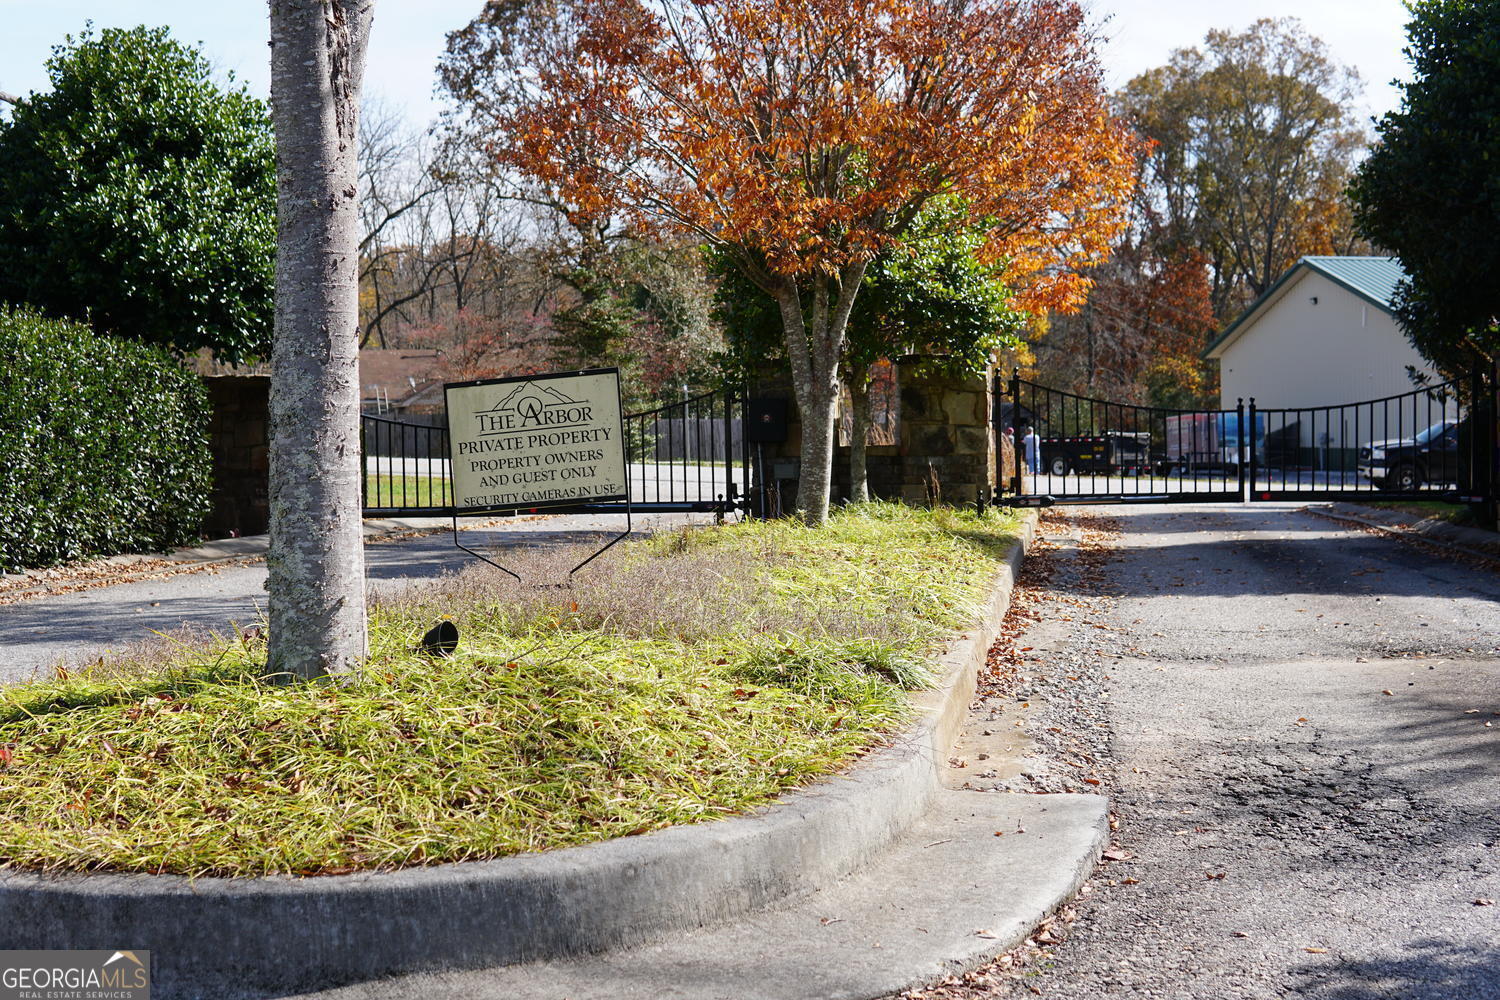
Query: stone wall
239	439
945	432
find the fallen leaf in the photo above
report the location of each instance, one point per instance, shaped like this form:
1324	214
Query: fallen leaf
1316	951
1484	902
1386	691
1117	855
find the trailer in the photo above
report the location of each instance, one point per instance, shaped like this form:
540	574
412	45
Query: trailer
1197	441
1205	441
1113	452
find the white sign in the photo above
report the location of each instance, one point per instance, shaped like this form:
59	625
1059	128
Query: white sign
536	441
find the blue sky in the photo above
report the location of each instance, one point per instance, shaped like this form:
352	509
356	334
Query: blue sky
408	36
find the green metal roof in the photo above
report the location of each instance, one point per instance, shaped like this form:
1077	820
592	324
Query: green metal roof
1373	279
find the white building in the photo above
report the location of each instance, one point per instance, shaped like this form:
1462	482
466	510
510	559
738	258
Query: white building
1323	335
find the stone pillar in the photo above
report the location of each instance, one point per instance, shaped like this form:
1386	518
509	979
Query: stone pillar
947	433
239	440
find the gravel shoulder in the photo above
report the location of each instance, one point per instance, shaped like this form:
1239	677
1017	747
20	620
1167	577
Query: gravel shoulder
1298	723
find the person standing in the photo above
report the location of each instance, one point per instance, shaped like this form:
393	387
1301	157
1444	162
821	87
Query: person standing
1033	447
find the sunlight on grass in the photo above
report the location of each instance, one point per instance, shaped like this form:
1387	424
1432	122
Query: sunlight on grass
693	676
385	490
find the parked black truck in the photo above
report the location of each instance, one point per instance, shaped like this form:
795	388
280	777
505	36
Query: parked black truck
1402	465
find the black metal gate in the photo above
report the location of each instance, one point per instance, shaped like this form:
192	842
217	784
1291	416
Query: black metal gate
1427	444
685	456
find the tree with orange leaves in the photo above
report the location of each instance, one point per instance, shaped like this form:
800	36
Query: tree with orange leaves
803	137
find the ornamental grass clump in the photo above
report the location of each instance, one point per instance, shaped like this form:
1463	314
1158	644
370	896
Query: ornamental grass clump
689	676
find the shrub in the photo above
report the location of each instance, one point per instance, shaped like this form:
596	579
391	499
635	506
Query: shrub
139	193
103	443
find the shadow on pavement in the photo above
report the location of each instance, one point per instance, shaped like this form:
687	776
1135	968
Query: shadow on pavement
1429	969
1281	554
76	627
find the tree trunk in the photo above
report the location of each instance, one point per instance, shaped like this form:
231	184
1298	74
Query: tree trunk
819	427
814	354
316	558
859	434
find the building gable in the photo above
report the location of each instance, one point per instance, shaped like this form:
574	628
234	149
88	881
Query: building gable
1373	279
1316	342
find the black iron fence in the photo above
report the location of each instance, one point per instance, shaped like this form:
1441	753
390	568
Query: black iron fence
1415	445
1081	449
682	456
1425	444
687	452
406	467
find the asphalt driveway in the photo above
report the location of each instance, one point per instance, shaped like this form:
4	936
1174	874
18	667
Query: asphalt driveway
1299	726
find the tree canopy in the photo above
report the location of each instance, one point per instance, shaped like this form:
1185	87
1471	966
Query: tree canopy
803	138
139	194
1430	190
1254	138
1249	140
931	295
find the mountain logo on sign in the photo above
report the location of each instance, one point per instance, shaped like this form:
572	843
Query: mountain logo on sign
532	405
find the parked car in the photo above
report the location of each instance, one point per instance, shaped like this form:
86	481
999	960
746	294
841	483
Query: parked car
1405	464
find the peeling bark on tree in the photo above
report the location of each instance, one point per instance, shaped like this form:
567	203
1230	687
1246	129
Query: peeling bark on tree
316	559
814	351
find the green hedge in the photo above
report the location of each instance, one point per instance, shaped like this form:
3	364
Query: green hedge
103	445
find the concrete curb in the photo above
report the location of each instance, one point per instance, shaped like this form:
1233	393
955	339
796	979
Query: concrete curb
1432	531
946	899
267	935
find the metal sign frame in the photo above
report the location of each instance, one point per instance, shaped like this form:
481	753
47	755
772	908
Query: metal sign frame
533	506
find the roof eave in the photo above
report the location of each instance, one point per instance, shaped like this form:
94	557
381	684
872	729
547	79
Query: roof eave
1216	348
1348	286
